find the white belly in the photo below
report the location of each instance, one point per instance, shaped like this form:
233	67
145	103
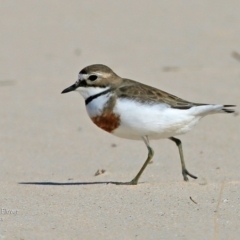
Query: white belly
155	121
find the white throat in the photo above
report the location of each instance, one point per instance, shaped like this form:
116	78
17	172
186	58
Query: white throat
87	92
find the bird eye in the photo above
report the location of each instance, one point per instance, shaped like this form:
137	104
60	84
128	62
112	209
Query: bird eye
92	77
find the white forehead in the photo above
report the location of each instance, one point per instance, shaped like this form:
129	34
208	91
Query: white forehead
82	76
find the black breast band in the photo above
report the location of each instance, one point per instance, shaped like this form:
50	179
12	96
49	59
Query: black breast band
89	99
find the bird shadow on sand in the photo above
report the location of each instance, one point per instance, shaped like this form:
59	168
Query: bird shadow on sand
68	183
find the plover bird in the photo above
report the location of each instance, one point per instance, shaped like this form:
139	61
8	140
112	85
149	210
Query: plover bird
132	110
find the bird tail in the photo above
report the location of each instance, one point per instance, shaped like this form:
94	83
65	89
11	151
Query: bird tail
227	110
205	109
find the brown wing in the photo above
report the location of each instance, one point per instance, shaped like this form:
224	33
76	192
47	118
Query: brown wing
144	93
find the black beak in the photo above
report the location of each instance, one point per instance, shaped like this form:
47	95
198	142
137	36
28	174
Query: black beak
69	89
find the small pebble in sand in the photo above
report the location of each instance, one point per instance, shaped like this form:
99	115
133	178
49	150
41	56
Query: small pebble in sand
99	172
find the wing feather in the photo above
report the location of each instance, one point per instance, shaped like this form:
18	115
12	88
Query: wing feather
147	94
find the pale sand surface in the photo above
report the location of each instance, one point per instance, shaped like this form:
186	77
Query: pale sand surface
47	139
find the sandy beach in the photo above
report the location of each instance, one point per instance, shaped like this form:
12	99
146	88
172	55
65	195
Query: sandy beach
50	149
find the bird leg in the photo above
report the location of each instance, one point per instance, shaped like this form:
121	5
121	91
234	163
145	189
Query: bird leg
150	155
184	169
